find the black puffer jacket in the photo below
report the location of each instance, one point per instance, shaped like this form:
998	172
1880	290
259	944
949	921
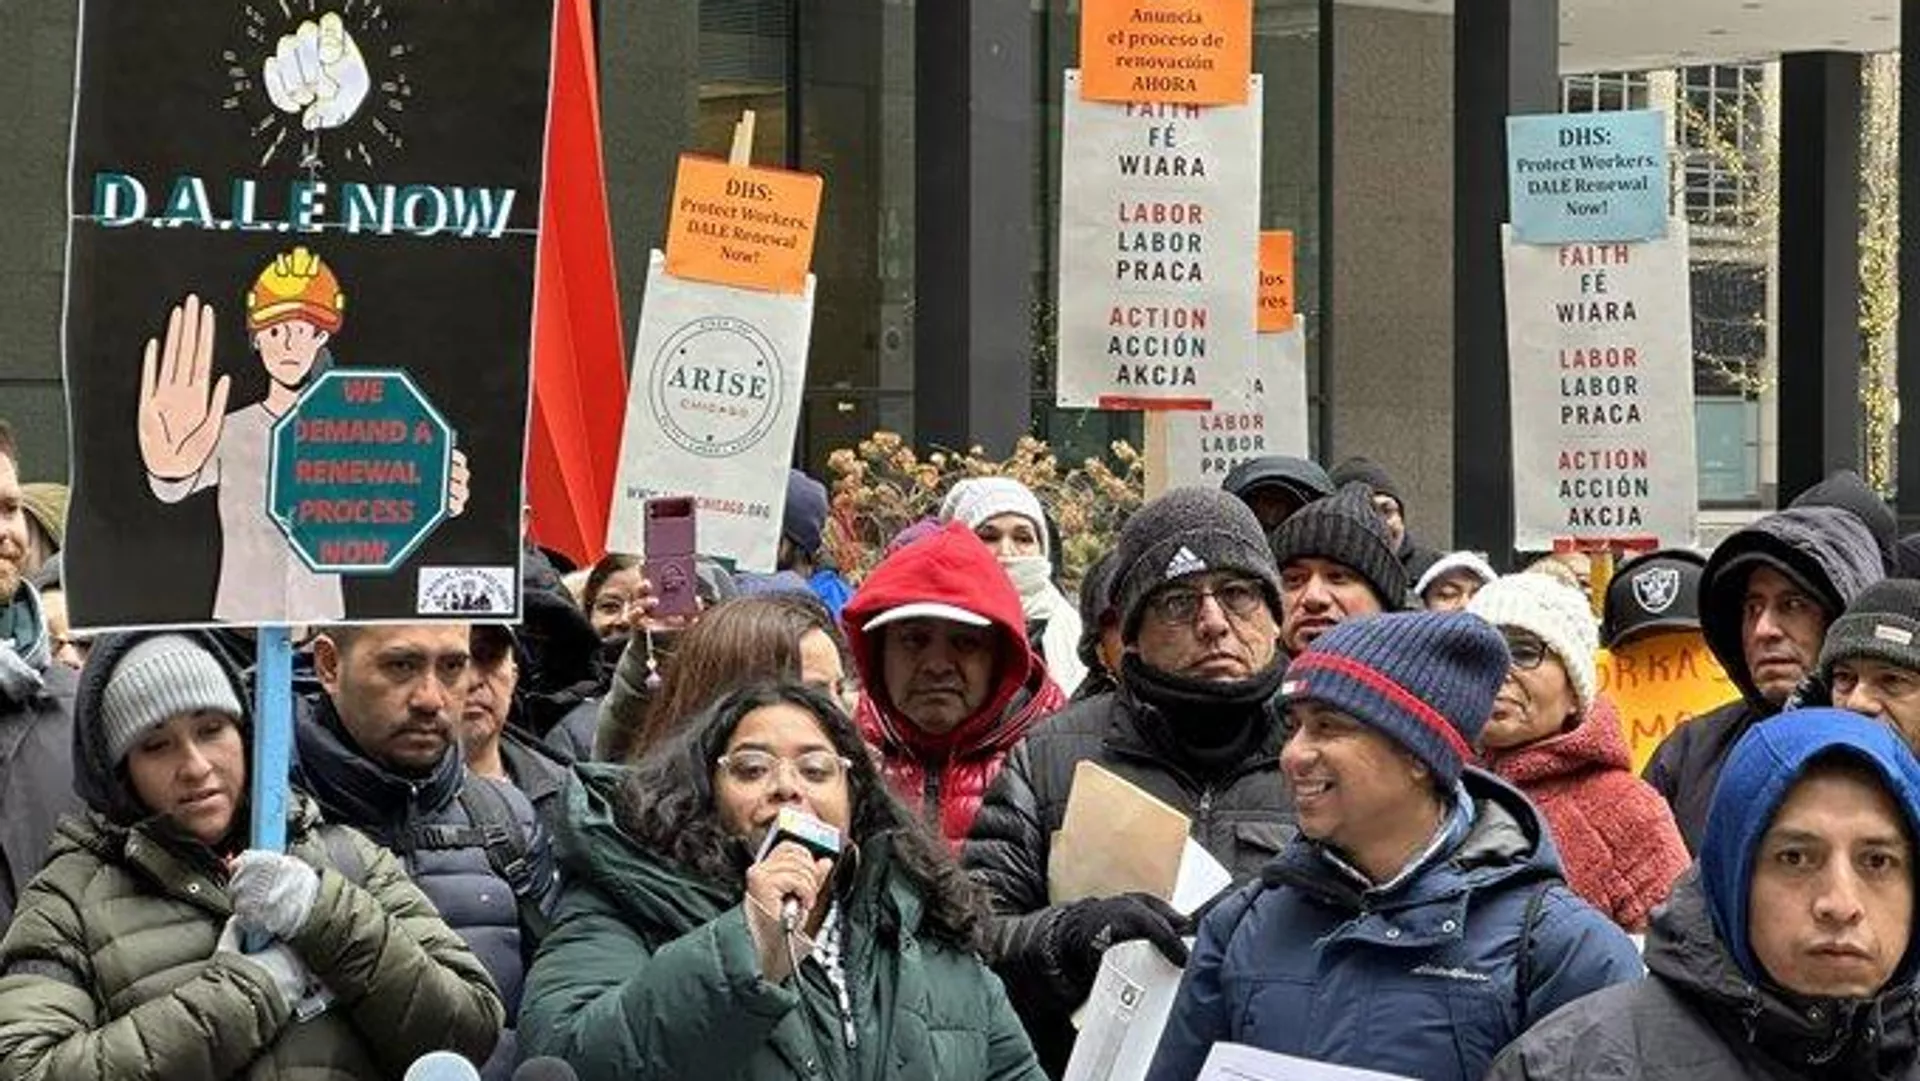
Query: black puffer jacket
1832	553
1697	1018
36	763
1243	816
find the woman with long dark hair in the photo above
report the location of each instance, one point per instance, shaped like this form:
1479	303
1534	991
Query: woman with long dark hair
669	954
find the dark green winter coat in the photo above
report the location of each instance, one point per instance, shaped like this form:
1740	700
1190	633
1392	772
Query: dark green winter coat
650	972
110	970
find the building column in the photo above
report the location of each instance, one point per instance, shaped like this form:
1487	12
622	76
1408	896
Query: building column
1506	61
1819	301
1907	432
975	159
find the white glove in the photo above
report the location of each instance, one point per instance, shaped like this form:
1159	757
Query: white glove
317	72
272	892
304	995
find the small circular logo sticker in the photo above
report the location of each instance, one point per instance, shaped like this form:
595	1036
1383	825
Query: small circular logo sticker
715	386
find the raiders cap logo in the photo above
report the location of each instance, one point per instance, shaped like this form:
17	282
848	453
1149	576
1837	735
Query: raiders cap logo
1656	588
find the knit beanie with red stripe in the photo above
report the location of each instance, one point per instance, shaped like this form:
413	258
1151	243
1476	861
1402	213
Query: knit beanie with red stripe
1424	679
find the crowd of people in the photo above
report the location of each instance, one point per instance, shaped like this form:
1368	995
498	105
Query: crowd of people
810	831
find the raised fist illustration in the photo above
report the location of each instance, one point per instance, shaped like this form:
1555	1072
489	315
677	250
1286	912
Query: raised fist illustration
318	74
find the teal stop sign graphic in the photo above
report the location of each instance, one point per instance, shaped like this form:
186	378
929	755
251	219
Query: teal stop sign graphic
358	471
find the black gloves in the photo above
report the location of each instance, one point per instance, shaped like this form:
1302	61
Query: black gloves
1086	928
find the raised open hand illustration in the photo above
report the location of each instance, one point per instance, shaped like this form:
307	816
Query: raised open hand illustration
317	73
181	406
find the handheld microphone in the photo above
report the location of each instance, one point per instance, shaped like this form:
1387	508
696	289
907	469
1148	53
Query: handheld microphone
545	1068
441	1066
821	841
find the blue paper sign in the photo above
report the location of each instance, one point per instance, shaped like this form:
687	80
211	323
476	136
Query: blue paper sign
1587	177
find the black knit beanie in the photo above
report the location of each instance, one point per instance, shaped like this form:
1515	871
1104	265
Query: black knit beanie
1187	531
1346	529
1882	624
1370	473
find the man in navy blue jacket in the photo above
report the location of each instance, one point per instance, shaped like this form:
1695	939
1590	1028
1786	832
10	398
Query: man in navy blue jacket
1420	922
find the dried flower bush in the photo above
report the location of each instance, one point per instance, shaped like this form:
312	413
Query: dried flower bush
881	487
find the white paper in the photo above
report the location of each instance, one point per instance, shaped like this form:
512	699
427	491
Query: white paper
1201	878
712	408
1238	1062
1600	346
1268	416
1159	249
1121	1022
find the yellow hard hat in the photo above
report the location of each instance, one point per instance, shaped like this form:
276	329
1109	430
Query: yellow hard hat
296	285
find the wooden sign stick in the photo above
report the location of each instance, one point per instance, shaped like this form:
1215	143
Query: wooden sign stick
742	153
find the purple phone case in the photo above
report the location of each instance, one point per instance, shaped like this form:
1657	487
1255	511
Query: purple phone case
670	552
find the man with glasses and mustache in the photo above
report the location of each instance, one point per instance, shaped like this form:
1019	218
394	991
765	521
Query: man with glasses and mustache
1192	722
378	751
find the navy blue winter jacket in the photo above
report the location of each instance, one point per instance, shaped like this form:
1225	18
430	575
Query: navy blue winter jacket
1420	979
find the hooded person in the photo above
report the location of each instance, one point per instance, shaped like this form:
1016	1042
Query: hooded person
1192	723
1419	922
1390	501
949	680
1766	597
1788	953
1008	519
1844	489
1336	562
1553	736
125	957
1277	486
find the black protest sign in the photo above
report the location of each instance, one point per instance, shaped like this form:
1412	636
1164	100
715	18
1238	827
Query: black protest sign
263	193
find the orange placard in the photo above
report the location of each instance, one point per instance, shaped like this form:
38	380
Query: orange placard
1187	52
1660	682
1276	281
738	225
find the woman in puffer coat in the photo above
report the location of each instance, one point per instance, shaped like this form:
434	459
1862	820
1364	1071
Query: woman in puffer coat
1554	738
671	955
125	960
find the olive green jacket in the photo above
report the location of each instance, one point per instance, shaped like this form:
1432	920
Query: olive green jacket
109	969
650	973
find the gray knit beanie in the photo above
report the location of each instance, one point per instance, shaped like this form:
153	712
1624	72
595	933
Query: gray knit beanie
1882	624
159	679
1187	531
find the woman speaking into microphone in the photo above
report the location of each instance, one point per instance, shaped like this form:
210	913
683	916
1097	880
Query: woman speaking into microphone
749	901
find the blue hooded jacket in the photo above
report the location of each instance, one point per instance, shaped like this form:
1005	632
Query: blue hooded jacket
1428	977
1763	767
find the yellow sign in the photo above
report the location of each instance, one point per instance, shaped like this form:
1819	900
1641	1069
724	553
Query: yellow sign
743	226
1659	682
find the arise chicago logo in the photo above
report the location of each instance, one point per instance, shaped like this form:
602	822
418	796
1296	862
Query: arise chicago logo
716	387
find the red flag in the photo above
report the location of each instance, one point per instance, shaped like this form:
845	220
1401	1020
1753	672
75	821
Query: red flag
579	376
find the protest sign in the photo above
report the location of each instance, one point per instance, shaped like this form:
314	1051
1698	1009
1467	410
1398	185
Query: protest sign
1159	241
1587	176
713	405
1658	682
1600	365
1193	52
1268	416
1276	281
259	199
744	226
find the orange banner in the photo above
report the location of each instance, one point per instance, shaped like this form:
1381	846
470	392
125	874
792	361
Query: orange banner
1660	682
1276	281
1187	52
738	225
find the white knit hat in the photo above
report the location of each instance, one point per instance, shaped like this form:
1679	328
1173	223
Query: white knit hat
1472	562
1560	616
976	499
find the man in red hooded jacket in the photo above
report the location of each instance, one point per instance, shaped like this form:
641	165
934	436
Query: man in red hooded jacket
951	682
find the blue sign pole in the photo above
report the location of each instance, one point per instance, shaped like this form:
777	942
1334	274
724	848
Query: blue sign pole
272	743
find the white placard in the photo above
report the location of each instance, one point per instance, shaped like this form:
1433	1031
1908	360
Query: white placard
1238	1062
1159	251
712	408
1121	1022
1600	364
1268	416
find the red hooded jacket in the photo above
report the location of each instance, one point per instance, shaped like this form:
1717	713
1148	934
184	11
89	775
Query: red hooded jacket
948	775
1616	836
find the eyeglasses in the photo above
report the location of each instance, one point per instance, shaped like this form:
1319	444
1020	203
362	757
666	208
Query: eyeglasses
1240	597
814	768
1528	651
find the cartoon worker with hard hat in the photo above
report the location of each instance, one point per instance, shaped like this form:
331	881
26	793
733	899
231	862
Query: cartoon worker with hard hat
189	442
